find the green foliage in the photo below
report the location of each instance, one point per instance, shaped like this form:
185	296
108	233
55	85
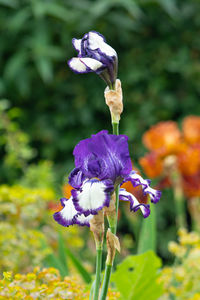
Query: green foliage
147	235
137	277
14	142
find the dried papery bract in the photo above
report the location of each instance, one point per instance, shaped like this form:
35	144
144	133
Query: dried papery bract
112	245
110	211
97	228
114	100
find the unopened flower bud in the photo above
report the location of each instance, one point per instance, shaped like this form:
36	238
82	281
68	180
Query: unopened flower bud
114	101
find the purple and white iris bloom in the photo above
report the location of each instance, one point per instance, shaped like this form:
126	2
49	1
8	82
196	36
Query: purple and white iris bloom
95	55
101	163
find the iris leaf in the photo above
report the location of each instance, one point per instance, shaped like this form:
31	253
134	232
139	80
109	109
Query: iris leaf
147	239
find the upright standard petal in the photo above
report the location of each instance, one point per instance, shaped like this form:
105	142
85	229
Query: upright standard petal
92	196
136	180
134	204
104	155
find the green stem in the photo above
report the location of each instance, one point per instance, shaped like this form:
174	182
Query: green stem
115	127
98	273
113	229
179	200
106	281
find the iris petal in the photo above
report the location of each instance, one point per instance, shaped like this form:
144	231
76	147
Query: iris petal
134	204
69	215
92	196
136	180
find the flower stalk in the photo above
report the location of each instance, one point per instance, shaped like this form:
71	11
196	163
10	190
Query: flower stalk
97	228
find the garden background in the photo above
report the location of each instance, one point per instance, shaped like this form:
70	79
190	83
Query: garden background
46	110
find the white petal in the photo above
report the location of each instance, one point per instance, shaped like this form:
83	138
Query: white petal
82	220
77	44
69	211
91	63
76	65
94	195
66	216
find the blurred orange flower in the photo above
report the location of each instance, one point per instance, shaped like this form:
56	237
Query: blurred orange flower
189	160
152	164
191	129
191	185
163	138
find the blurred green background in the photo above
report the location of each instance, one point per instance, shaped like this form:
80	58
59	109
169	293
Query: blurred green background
46	108
159	65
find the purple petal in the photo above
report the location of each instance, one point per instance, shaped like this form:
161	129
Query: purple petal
76	178
134	204
104	155
93	196
136	180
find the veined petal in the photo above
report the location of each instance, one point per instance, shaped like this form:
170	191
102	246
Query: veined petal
134	204
69	216
93	196
136	180
84	65
77	44
104	156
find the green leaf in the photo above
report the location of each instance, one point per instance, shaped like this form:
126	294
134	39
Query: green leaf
80	268
52	261
147	239
62	251
59	262
136	277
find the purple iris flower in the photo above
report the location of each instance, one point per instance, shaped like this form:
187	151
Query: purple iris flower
95	55
101	163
